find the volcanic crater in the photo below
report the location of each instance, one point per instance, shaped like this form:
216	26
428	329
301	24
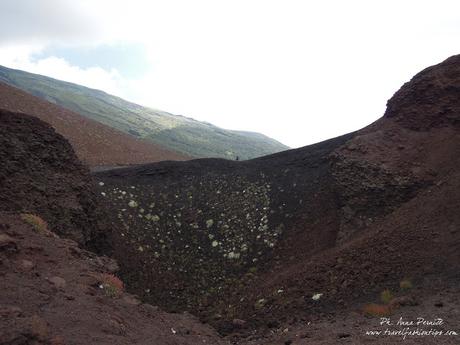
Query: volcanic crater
290	248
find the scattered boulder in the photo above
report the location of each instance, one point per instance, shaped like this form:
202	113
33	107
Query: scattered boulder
58	282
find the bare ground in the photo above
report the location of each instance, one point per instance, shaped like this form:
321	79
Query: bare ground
51	295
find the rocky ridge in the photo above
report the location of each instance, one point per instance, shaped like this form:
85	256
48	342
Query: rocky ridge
41	175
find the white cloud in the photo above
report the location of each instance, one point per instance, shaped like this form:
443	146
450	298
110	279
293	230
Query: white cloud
295	70
58	68
46	21
94	77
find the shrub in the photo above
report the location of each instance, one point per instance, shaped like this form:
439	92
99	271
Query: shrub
37	223
386	296
405	284
253	270
377	310
260	303
112	285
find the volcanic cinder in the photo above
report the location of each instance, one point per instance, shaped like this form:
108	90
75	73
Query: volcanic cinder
255	240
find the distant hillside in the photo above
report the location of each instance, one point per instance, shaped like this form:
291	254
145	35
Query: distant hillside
175	132
95	143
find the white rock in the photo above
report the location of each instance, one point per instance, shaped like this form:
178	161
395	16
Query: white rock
132	203
316	296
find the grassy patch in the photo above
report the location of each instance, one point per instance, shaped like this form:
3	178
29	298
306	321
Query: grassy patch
37	223
377	310
386	296
405	285
112	285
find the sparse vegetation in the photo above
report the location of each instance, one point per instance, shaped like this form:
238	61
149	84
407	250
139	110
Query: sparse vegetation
389	301
377	310
386	296
111	284
37	222
405	285
252	270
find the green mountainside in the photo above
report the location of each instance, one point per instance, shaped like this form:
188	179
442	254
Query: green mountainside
182	134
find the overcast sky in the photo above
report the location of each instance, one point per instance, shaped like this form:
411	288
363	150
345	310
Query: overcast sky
298	71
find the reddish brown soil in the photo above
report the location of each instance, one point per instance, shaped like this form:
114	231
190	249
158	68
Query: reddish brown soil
50	294
94	143
432	300
346	218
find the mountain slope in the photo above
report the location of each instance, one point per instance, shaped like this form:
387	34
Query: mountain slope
175	132
95	144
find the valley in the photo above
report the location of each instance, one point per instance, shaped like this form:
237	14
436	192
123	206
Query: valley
306	246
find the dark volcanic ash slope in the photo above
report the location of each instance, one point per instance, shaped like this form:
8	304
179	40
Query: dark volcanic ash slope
346	217
95	144
40	174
